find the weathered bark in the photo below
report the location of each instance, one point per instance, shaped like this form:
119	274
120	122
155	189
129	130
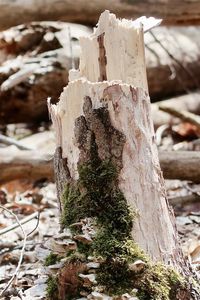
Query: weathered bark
46	58
87	12
106	157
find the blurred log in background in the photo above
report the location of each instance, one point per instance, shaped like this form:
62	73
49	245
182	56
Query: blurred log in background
35	59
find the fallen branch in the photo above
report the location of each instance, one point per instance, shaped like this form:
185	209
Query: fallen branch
189	102
183	115
16	225
183	200
32	165
11	141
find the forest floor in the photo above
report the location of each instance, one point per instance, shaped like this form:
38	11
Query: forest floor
36	203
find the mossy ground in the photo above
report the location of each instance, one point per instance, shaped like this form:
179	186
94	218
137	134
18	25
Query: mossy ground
52	259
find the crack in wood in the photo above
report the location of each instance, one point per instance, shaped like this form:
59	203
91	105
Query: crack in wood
102	58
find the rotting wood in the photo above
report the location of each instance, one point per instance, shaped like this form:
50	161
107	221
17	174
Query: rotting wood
108	167
125	100
182	165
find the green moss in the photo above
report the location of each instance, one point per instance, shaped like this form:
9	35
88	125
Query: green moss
159	282
114	275
96	195
52	288
52	259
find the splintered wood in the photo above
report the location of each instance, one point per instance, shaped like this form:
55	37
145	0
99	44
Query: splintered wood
112	78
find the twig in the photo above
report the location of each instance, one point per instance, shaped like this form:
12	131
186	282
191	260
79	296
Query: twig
16	225
183	115
159	133
21	254
36	226
192	190
10	141
18	77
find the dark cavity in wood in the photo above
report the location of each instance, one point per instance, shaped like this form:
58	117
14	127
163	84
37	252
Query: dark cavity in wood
102	58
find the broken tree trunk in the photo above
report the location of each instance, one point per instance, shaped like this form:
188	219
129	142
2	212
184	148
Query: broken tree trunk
87	12
48	50
109	181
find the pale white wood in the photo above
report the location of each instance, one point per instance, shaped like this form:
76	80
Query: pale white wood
125	96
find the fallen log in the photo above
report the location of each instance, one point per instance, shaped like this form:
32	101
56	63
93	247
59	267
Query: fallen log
172	58
38	56
14	163
22	164
184	165
189	102
86	12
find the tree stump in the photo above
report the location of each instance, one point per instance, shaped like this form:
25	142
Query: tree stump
110	186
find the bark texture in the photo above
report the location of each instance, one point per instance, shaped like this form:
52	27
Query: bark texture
107	166
80	117
87	12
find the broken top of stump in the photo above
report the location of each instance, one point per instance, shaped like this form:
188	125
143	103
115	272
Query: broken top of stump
111	60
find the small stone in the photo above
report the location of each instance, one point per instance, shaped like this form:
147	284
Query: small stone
137	266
